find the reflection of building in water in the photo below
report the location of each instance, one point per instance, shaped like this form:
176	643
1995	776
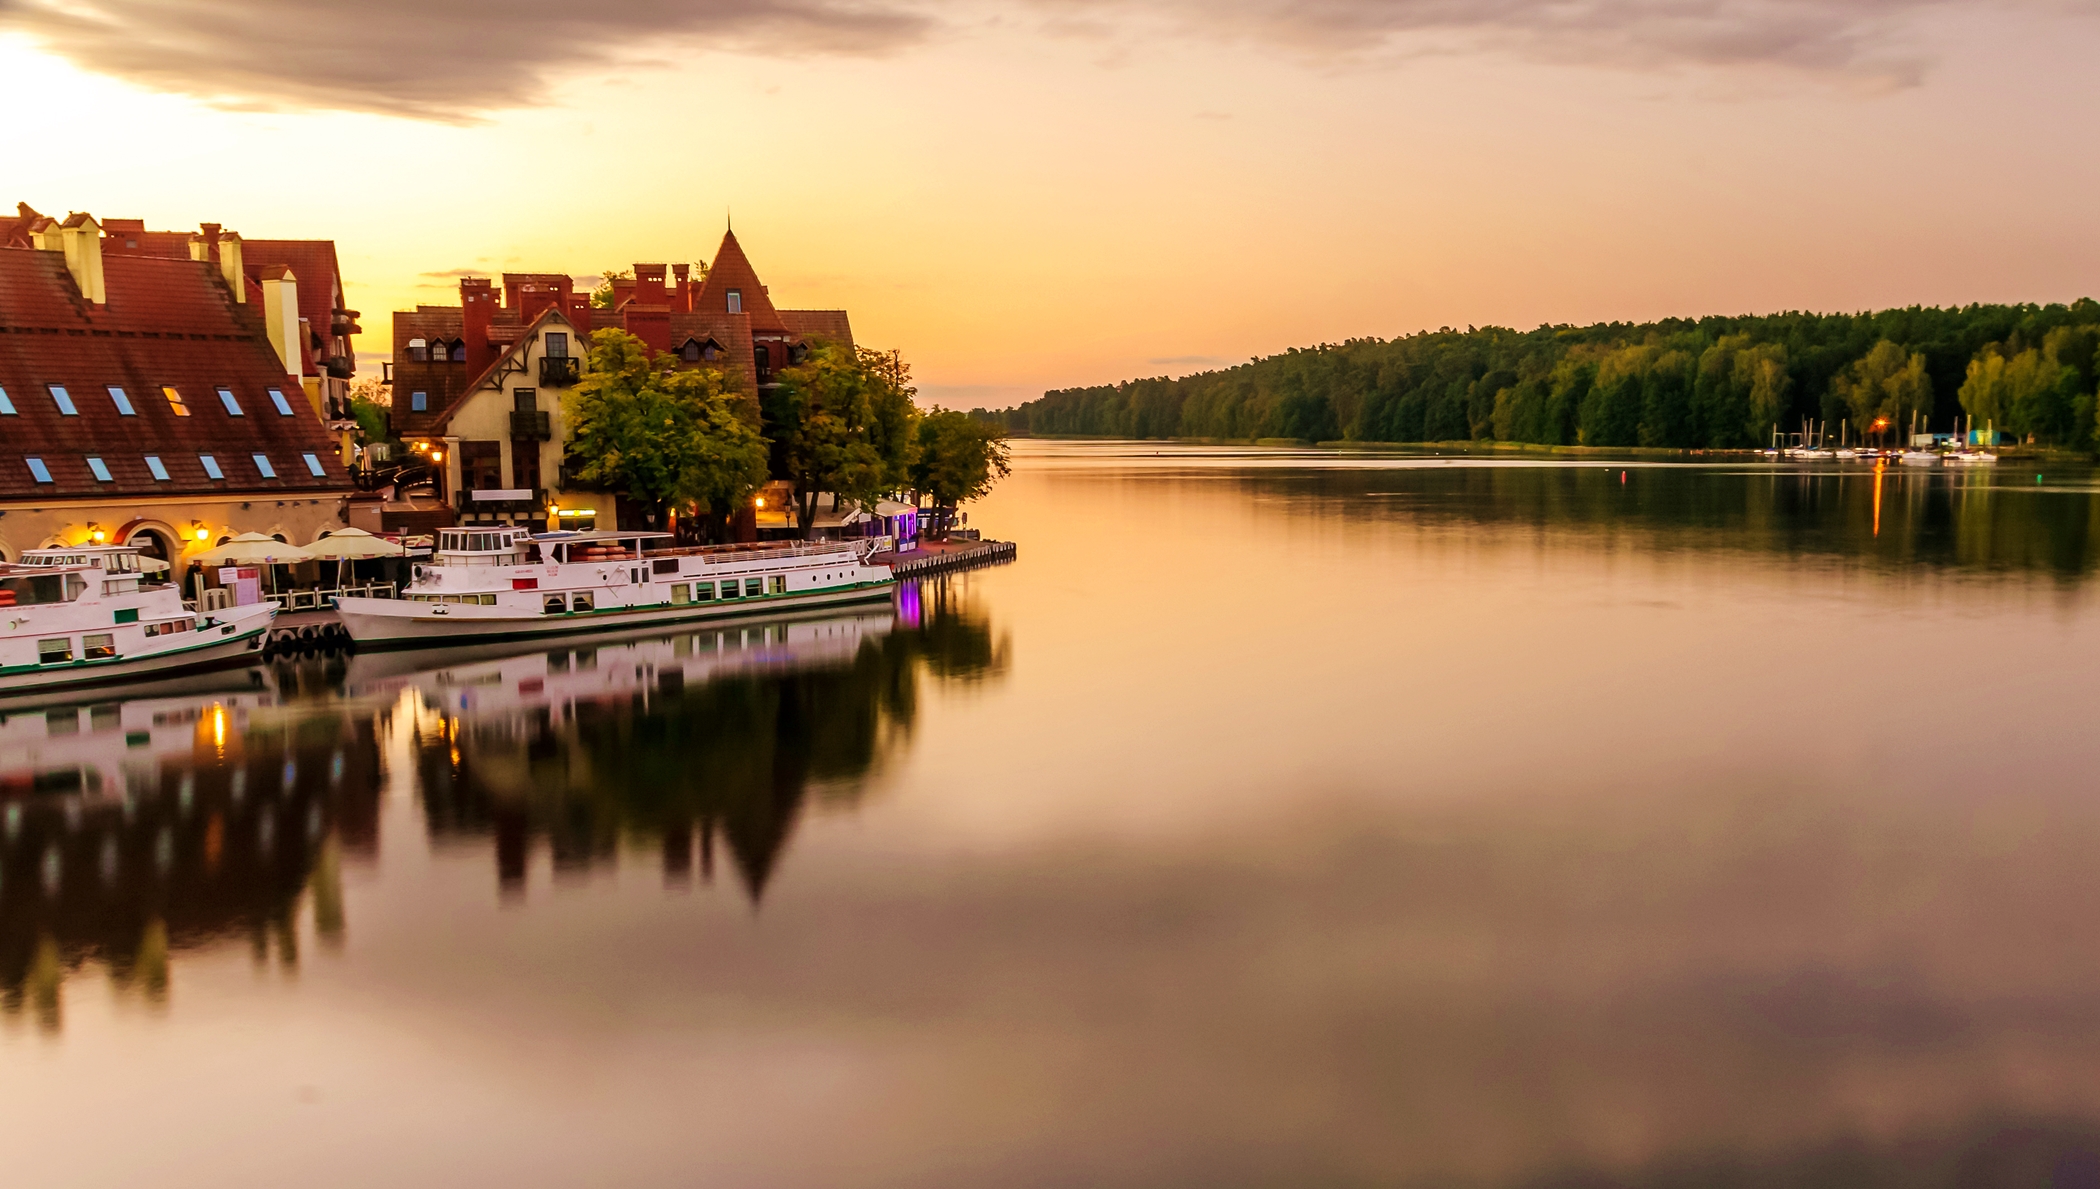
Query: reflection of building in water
704	744
129	830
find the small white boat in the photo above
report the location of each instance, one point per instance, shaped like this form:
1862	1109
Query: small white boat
1919	458
1846	454
1972	458
509	584
85	615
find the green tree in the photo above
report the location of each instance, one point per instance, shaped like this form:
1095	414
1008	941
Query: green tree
958	459
1888	383
842	421
661	436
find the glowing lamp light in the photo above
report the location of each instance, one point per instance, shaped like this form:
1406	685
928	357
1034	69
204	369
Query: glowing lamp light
97	534
760	503
202	533
437	456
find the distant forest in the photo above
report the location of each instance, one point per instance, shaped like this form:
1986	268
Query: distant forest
1713	383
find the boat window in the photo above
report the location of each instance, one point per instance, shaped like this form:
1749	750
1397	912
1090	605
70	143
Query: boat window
34	590
581	601
779	584
703	592
99	647
681	594
54	652
752	588
555	604
729	588
665	565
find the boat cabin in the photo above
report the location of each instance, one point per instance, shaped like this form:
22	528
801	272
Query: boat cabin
580	547
69	570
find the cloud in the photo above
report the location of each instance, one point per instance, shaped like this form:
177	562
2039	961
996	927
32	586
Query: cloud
1861	38
430	59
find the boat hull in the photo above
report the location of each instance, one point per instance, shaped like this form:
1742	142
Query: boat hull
241	646
389	623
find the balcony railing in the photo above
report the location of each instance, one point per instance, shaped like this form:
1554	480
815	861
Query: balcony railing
501	501
559	371
531	425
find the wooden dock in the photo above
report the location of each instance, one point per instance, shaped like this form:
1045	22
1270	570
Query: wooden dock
933	557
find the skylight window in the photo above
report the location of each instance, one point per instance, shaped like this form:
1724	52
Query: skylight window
211	467
122	401
233	407
7	407
101	470
313	463
65	402
175	402
153	464
262	463
37	469
284	408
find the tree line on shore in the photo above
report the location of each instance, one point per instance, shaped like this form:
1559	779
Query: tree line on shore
1706	383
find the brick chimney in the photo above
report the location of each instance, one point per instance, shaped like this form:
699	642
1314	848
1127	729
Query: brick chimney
79	240
682	289
477	304
280	313
649	284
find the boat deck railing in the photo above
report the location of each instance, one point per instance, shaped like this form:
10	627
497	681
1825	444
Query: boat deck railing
315	600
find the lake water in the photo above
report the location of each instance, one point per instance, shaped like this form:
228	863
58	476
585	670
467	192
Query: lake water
1278	818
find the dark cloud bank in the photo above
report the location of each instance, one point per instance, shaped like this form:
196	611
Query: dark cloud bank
451	59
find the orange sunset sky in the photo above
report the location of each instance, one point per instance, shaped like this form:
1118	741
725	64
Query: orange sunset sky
1023	194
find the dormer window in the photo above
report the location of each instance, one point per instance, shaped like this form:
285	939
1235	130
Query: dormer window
418	351
710	352
690	352
557	344
459	350
736	301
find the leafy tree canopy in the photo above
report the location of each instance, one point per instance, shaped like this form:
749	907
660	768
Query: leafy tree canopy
842	421
959	458
663	437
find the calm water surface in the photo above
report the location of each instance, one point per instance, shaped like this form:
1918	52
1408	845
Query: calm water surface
1278	819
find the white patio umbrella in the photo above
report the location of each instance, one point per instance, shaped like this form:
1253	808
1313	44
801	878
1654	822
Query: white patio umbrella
346	545
353	544
253	549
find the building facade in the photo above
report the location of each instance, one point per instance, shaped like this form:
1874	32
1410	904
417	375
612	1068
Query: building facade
153	400
477	387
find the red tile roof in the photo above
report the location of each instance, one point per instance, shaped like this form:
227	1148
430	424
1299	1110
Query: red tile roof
167	323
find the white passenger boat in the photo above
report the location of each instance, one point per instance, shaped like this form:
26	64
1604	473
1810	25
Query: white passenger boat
509	584
84	615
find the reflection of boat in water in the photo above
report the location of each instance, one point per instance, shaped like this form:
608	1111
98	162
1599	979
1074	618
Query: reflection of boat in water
1971	458
492	678
507	584
85	615
1919	458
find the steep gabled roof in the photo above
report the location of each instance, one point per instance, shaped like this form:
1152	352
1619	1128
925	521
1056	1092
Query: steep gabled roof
167	323
732	270
459	393
829	325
